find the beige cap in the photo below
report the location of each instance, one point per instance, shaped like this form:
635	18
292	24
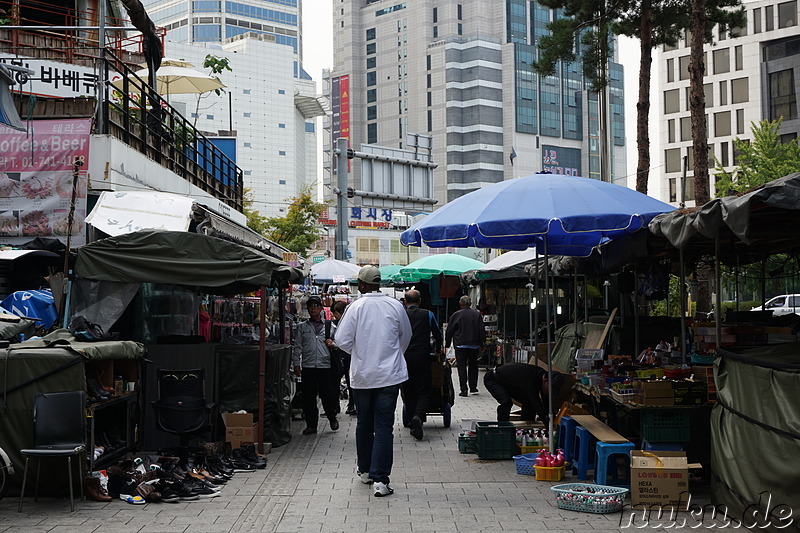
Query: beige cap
370	274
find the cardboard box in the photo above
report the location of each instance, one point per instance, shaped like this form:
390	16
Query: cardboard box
688	392
239	428
659	478
656	392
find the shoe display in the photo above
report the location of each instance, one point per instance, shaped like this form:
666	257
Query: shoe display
309	431
364	477
416	427
247	453
381	489
334	423
464	394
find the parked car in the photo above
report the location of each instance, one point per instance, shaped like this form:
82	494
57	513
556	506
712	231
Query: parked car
781	305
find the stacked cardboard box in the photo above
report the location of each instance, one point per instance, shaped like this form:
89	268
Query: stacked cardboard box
239	428
706	375
654	392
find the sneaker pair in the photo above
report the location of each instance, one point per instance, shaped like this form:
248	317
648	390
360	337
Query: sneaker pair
381	489
364	476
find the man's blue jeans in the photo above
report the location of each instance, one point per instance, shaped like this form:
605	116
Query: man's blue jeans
374	426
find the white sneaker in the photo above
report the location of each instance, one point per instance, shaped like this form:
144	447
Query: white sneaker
382	489
364	476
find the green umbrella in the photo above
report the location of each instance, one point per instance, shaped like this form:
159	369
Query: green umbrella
433	265
388	271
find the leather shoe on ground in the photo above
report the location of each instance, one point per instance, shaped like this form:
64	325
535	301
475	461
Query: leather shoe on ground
464	394
474	391
416	428
309	431
334	424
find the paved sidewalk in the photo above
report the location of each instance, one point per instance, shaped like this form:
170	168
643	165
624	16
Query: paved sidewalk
310	485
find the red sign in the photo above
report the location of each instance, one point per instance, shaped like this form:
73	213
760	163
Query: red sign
36	180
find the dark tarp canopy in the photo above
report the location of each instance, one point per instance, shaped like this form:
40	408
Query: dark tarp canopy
180	258
755	431
53	363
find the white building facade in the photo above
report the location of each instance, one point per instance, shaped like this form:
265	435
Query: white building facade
752	74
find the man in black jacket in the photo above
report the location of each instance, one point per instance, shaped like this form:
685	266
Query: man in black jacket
527	384
419	358
466	331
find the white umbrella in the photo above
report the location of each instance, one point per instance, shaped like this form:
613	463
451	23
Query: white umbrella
175	80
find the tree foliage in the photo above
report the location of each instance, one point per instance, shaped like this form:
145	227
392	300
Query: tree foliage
761	160
299	229
255	220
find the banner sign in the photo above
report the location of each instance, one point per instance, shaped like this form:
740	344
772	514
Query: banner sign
54	79
36	180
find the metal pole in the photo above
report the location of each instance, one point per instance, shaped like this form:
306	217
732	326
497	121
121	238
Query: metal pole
536	307
101	74
341	213
549	350
635	308
683	304
262	365
718	299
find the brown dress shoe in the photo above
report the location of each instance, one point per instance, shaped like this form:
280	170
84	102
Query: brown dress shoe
94	492
309	431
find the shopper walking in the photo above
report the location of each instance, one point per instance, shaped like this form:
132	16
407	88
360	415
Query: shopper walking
337	310
420	355
527	384
311	358
375	331
466	331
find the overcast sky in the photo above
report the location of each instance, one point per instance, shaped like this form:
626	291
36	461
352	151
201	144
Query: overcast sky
318	54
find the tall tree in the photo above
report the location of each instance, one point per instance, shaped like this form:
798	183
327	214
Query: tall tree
761	160
299	229
255	220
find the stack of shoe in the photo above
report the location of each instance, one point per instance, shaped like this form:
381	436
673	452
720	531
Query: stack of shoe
246	454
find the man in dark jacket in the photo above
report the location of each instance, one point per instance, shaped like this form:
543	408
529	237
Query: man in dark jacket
527	384
466	331
419	356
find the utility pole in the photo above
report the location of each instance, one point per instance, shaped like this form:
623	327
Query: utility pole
341	199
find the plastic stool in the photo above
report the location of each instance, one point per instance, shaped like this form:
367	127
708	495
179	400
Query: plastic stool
583	454
662	446
566	436
606	451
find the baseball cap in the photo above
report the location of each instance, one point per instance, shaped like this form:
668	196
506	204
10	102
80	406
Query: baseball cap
313	300
370	274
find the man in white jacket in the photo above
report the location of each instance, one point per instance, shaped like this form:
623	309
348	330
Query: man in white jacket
375	330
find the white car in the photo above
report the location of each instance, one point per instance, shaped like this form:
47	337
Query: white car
781	305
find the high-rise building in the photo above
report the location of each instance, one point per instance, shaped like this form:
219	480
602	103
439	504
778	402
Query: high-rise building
752	74
270	105
460	71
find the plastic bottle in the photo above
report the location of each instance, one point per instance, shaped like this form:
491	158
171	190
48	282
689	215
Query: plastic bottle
540	459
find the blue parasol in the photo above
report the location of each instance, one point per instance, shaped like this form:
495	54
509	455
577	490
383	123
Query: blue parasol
570	213
561	215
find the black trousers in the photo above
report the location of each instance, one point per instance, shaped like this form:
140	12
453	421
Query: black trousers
319	382
499	393
467	363
417	390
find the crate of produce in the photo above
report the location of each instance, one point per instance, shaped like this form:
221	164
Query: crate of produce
467	443
588	498
550	473
496	440
665	425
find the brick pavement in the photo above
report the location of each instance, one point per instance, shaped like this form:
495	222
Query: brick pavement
310	485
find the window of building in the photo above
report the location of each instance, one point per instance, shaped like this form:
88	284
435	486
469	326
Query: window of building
739	31
281	91
722	124
769	16
430	120
757	20
739	121
247	145
371	48
672	101
281	152
247	114
723	31
281	182
372	62
195	115
672	160
670	70
690	157
460	29
723	93
722	61
737	153
669	48
683	68
782	98
209	117
708	89
370	34
372	112
372	78
207	32
428	62
372	133
246	91
435	32
247	172
671	130
400	128
435	15
372	95
400	107
686	128
430	99
429	81
687	98
738	59
281	125
723	154
740	90
787	14
310	127
459	12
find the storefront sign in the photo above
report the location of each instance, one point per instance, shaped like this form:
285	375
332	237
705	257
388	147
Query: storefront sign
36	180
117	213
290	258
54	79
557	160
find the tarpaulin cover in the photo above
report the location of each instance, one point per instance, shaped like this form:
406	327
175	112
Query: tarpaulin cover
180	258
32	304
49	364
238	387
755	431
